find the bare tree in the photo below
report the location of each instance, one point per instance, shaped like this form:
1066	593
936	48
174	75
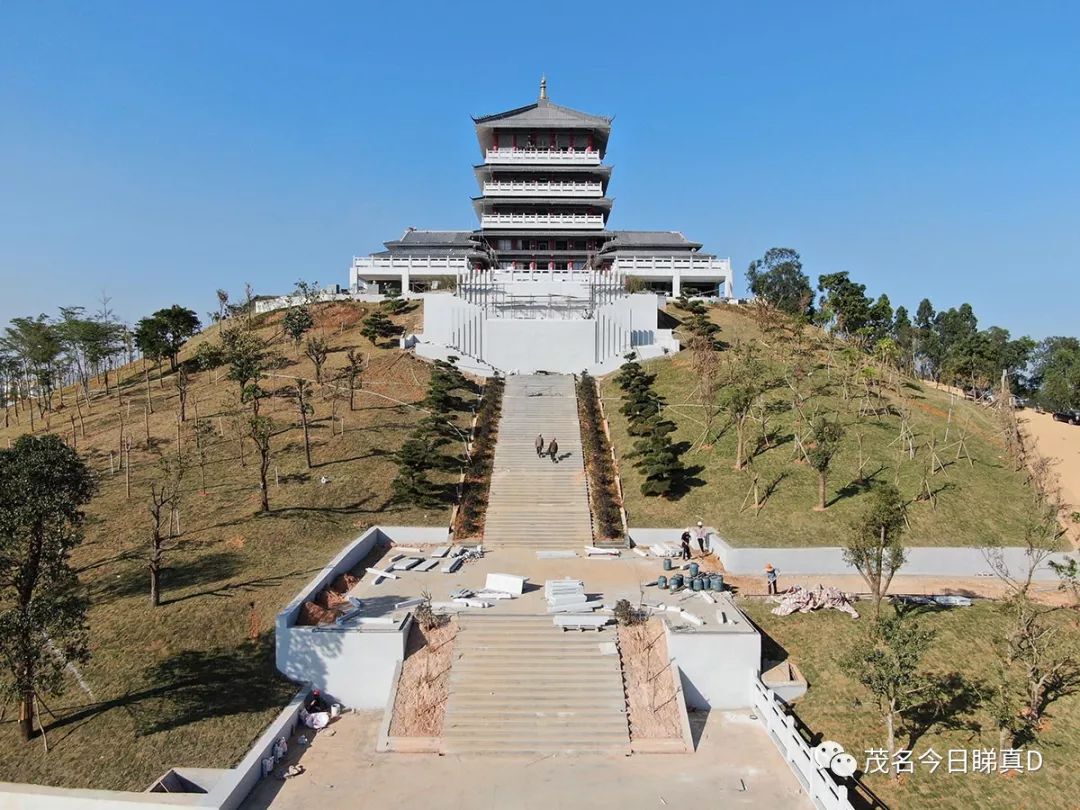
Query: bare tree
301	392
316	349
164	506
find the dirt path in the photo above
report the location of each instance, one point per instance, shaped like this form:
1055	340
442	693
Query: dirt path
1061	442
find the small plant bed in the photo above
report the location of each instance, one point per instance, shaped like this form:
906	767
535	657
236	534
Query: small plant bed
651	695
599	465
424	685
472	507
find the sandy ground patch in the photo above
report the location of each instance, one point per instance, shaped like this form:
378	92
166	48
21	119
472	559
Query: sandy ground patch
735	765
420	703
1061	442
651	694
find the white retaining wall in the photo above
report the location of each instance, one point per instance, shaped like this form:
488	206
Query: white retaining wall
523	345
717	665
354	666
815	780
949	561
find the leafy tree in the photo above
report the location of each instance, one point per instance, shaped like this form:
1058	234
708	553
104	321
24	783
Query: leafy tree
844	304
886	661
395	304
163	334
89	343
414	460
261	430
38	346
209	356
880	321
43	486
655	456
745	385
825	437
778	279
245	353
903	333
297	322
1055	374
874	546
378	326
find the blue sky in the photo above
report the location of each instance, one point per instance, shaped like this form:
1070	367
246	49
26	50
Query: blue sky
157	151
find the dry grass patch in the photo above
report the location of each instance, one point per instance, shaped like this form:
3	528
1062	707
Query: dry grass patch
651	695
193	682
986	499
424	685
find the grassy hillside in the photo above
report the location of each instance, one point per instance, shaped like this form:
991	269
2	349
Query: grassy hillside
985	499
192	682
839	708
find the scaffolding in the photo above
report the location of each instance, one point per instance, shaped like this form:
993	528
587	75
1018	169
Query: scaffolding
501	294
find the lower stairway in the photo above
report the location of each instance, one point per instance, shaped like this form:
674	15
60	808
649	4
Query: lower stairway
519	685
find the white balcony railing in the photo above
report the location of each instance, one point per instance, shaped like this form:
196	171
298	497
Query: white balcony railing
542	221
666	265
530	188
391	266
559	156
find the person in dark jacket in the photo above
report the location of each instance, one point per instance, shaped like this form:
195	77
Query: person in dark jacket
553	450
686	545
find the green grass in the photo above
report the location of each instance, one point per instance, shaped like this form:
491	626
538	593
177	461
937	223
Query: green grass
184	684
839	708
985	501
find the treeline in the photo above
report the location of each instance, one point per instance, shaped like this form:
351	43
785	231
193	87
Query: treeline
944	345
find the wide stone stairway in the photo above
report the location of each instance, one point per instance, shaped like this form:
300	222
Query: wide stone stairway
532	501
518	685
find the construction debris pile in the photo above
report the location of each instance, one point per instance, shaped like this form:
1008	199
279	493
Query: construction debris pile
574	610
805	600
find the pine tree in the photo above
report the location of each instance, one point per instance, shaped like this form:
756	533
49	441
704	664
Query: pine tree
656	457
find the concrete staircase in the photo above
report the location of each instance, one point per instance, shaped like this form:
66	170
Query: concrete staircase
518	685
532	501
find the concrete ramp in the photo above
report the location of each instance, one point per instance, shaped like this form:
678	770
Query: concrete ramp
518	685
533	501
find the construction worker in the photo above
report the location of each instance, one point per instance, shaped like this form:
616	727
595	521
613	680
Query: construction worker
553	450
686	544
702	537
770	577
539	443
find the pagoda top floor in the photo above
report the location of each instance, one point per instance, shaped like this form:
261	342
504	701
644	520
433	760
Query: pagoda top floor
543	132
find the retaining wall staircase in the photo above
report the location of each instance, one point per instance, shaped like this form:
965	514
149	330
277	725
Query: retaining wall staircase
518	685
533	502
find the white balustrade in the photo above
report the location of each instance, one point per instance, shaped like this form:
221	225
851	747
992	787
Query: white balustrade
531	188
684	265
543	156
515	220
396	264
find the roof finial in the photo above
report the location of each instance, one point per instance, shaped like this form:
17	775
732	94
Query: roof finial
543	87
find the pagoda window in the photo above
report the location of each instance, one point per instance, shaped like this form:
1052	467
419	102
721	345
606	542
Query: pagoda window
542	245
560	245
563	141
582	141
